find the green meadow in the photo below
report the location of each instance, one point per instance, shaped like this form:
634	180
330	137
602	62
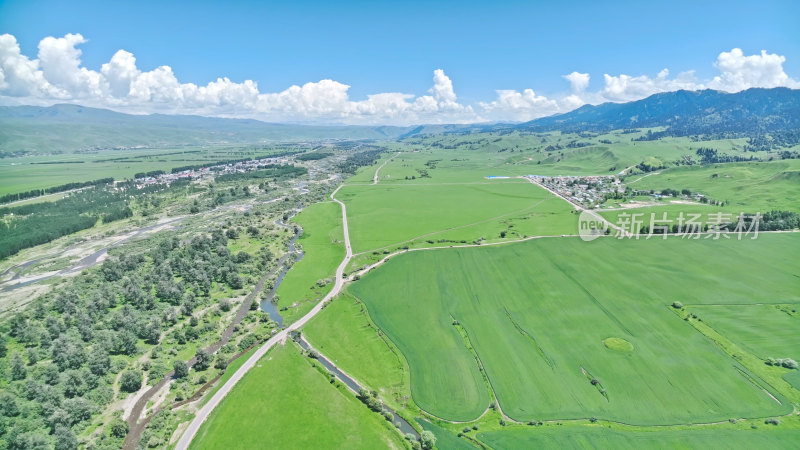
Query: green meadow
599	437
21	174
764	330
749	187
344	333
387	216
537	315
322	242
284	402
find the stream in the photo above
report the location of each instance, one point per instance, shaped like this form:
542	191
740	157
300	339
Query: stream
267	305
398	421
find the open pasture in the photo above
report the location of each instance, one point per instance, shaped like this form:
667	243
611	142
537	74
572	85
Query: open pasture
345	334
285	403
550	153
749	187
385	216
537	313
322	242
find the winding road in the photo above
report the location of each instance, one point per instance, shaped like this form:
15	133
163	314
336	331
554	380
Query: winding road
205	411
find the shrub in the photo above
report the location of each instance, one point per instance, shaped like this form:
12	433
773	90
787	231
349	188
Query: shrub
181	369
677	305
772	421
131	380
118	428
427	440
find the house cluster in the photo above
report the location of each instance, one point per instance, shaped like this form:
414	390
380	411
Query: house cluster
586	191
210	171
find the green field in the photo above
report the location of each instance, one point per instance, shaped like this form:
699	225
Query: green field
598	437
286	403
344	333
22	174
385	216
763	330
322	242
537	314
749	187
515	154
446	440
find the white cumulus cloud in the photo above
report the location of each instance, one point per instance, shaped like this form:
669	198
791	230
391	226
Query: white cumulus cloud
578	81
58	75
739	72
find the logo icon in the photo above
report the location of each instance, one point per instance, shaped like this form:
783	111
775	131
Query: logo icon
591	226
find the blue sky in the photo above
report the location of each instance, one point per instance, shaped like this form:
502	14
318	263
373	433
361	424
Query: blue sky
377	47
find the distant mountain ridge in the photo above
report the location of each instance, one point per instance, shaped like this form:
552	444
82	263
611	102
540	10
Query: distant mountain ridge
706	112
66	127
768	117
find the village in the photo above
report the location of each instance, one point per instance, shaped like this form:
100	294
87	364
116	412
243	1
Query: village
211	171
584	191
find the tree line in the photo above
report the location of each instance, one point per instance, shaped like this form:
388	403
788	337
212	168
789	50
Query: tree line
53	190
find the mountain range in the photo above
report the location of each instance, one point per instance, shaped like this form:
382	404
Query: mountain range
769	116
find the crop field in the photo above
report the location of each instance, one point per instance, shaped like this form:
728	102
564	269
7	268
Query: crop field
539	317
597	437
749	187
284	402
382	216
322	242
763	330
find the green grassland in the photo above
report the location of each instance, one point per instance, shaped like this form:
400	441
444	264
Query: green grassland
551	153
537	313
284	402
598	437
662	209
22	174
344	333
763	330
322	242
445	439
748	187
384	215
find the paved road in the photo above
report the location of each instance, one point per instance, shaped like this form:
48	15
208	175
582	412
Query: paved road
205	411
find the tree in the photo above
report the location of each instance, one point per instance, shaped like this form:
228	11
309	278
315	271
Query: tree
64	438
221	363
131	380
125	342
181	369
118	428
152	332
99	362
74	384
204	359
8	405
79	409
18	371
3	343
427	439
